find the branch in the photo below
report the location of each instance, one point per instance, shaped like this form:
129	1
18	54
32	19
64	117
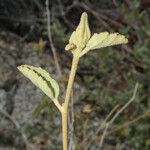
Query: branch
126	105
50	39
126	124
117	114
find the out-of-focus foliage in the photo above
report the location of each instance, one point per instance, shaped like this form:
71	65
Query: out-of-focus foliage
38	46
114	72
58	31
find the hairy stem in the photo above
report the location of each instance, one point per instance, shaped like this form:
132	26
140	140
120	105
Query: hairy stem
66	102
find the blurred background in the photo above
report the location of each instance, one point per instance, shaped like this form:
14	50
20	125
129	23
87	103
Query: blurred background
105	78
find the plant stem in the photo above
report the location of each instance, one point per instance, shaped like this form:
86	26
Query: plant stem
64	130
66	102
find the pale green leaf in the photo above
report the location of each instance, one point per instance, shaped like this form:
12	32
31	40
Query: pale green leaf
41	79
104	39
81	35
96	40
83	32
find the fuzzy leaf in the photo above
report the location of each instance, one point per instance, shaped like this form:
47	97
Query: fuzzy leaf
81	35
108	40
41	79
96	39
104	39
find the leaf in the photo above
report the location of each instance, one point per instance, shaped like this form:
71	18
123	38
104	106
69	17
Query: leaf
81	35
41	105
104	39
83	32
96	39
41	79
81	41
38	46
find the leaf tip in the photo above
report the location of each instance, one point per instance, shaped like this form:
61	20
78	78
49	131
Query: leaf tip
126	41
21	67
84	15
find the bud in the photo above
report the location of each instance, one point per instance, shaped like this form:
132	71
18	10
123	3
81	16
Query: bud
80	36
